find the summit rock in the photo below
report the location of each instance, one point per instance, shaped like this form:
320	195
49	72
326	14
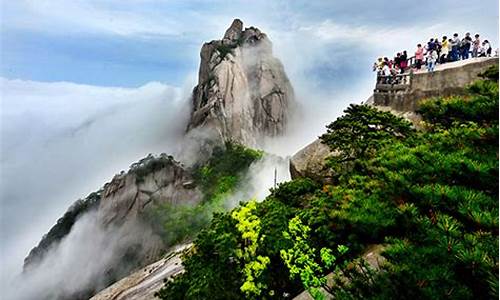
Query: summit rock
243	93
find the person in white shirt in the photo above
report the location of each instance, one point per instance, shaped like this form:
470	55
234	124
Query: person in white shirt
431	60
386	71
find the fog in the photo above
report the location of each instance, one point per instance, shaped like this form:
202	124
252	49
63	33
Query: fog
82	257
61	141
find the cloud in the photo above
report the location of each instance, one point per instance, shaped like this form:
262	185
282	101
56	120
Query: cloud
61	141
94	16
81	261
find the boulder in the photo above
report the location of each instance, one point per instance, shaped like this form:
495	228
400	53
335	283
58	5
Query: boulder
310	162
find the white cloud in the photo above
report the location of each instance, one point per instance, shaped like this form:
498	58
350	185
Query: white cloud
61	141
101	17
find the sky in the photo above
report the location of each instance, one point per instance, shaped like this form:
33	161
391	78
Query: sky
88	87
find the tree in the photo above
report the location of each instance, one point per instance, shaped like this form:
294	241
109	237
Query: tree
301	259
249	226
362	130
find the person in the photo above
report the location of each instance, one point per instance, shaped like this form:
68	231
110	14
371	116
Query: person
386	61
431	60
443	56
482	51
450	47
438	47
380	63
397	61
465	45
431	45
455	41
419	56
475	45
487	46
386	72
404	62
377	66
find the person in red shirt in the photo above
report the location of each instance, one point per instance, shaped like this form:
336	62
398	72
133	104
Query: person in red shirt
419	56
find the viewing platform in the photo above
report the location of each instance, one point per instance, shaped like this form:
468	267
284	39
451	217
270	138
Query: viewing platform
402	92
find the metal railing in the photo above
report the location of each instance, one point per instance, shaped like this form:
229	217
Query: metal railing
392	83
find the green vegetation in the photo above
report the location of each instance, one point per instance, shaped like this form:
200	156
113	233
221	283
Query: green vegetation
249	227
301	259
217	179
150	164
430	197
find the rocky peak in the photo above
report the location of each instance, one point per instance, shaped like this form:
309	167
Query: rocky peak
233	33
243	93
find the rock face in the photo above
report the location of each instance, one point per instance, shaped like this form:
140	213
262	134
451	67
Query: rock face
144	283
310	162
122	214
150	181
243	93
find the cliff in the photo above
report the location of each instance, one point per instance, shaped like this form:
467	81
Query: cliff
243	93
120	221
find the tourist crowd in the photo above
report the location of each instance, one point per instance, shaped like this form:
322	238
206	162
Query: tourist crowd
434	52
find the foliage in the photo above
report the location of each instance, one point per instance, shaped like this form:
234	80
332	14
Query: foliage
178	223
223	170
491	73
249	226
430	197
359	133
362	130
301	259
150	164
211	272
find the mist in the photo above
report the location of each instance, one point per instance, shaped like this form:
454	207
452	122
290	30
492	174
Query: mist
61	141
84	256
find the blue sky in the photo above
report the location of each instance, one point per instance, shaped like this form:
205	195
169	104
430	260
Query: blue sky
88	87
129	43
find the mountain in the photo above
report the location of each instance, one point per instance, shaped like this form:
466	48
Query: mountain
243	96
243	93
